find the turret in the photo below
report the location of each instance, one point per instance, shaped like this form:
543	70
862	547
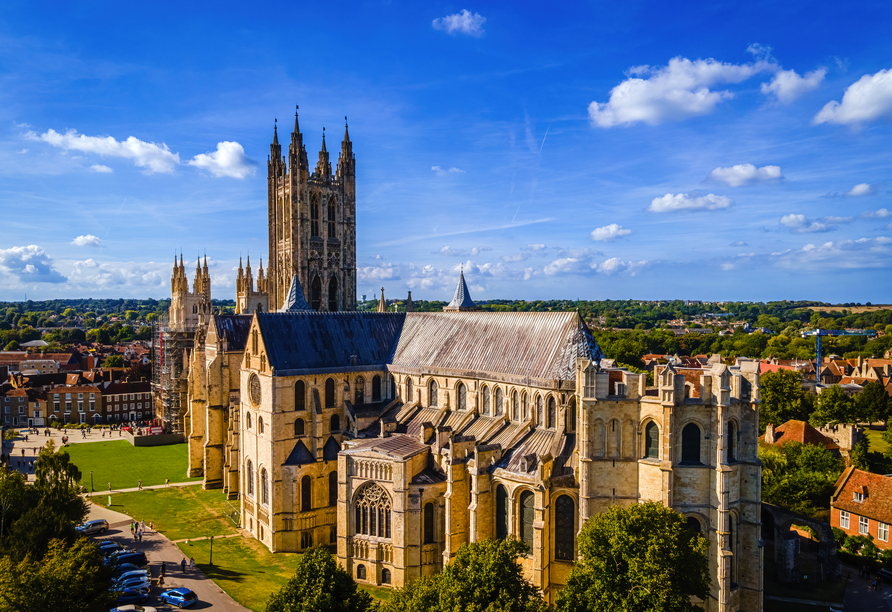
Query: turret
346	161
382	304
323	167
296	151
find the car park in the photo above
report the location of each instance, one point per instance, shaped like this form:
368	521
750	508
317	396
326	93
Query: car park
133	608
93	527
181	597
136	558
132	596
131	574
107	551
137	583
125	567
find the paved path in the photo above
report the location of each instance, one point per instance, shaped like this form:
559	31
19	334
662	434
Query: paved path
861	598
159	549
146	488
802	601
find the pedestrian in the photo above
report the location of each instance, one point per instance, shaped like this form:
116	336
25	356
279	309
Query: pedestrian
140	484
183	564
131	527
167	482
109	487
23	452
152	525
191	564
140	536
163	567
161	580
143	525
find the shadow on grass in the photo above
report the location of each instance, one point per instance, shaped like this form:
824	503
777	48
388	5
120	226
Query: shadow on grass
215	572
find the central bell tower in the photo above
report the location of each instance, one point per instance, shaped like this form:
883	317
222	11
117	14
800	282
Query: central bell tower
312	224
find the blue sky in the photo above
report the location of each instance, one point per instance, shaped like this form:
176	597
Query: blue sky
699	150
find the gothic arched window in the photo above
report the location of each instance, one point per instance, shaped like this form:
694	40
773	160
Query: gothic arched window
564	528
359	391
570	425
333	488
331	217
540	411
652	441
333	294
694	525
552	416
264	487
501	512
526	518
249	477
499	402
314	214
372	511
300	395
248	420
525	400
486	401
690	444
433	388
329	393
306	494
428	523
731	443
376	388
316	293
335	423
260	424
409	391
299	427
515	407
462	397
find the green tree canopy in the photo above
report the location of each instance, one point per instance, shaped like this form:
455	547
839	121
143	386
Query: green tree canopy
113	361
483	577
833	406
637	559
782	398
798	476
872	404
319	584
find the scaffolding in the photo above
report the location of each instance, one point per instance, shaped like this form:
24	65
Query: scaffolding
170	372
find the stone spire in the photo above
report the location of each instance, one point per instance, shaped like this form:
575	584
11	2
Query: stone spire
295	300
346	166
382	303
409	306
323	168
461	301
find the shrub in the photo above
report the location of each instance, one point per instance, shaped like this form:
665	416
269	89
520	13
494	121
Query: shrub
840	536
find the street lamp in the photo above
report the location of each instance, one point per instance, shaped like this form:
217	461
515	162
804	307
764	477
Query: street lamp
211	562
91	482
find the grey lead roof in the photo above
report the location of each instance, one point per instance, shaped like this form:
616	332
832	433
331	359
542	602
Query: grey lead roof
295	300
462	297
235	327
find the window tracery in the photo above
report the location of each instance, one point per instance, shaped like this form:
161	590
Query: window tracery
372	510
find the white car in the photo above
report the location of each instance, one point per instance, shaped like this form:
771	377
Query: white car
133	608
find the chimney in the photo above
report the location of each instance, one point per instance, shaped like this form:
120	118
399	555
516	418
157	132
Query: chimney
769	434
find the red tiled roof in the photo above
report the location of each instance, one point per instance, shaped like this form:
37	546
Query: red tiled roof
877	502
800	431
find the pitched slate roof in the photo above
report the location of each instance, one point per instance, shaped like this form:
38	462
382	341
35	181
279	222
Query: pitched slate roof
462	298
399	446
236	328
331	449
295	300
877	489
300	455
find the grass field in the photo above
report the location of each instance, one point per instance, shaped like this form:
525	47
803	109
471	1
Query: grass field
876	441
852	309
178	512
123	465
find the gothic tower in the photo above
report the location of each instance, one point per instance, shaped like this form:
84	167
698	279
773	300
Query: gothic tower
312	224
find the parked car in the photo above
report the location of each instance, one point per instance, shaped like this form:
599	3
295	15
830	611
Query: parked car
93	527
107	551
133	608
114	555
885	575
181	597
125	567
136	558
131	574
132	596
137	583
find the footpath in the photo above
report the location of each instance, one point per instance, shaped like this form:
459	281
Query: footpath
158	550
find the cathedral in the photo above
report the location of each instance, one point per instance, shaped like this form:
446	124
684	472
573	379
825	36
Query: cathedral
396	437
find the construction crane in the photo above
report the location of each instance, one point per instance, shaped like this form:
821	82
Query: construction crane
819	333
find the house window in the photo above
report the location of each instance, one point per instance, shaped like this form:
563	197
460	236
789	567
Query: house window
859	497
93	405
690	444
863	524
372	511
306	494
329	393
299	427
651	441
883	532
376	388
433	393
300	395
501	512
843	519
428	523
526	518
409	390
462	397
565	528
333	488
21	410
359	391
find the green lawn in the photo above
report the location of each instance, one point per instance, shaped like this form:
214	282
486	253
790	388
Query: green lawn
178	512
876	440
123	465
244	568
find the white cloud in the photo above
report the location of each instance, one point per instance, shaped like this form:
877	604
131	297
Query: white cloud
148	155
31	264
684	202
94	276
739	243
745	174
867	99
449	251
441	172
786	85
802	225
87	240
535	248
835	255
676	91
464	22
615	265
515	258
101	169
860	189
379	273
609	232
228	160
877	214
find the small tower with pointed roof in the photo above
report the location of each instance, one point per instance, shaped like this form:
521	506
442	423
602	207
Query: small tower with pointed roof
461	301
189	309
382	303
247	299
312	224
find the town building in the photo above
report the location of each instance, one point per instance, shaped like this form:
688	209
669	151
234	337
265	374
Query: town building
862	505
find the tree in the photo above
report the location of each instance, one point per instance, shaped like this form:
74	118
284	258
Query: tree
860	453
12	346
67	579
833	407
483	576
638	559
113	361
782	398
798	476
872	404
319	584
